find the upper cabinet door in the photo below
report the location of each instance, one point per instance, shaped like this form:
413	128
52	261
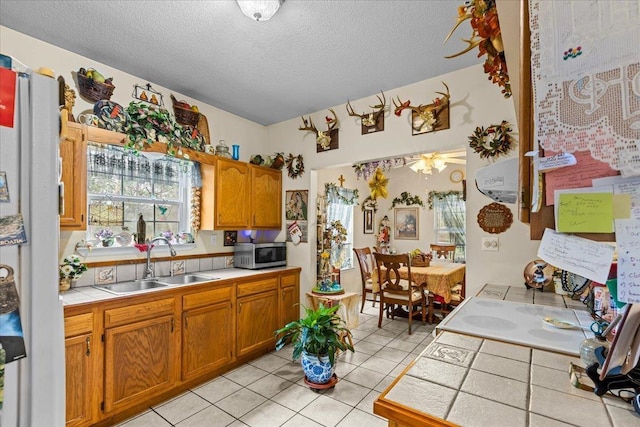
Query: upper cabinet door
73	152
232	194
266	197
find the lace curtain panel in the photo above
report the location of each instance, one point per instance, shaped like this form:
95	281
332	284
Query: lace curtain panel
585	67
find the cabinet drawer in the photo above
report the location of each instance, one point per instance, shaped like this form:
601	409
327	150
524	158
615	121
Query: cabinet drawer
201	299
245	289
76	325
134	313
289	280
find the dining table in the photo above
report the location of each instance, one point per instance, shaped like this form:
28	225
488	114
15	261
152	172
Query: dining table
438	278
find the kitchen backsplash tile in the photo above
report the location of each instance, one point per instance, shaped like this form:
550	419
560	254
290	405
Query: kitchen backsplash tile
192	265
105	275
125	272
206	264
177	267
87	278
219	263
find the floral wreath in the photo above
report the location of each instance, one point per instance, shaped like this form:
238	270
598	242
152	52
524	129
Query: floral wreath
406	199
499	144
295	169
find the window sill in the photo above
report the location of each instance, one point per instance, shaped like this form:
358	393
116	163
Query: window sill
126	250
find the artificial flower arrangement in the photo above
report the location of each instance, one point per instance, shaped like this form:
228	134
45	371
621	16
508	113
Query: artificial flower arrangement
72	268
168	234
104	234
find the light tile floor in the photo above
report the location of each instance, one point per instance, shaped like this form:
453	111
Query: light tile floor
270	391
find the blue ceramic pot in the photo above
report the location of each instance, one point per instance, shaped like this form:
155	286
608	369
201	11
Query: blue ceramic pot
317	370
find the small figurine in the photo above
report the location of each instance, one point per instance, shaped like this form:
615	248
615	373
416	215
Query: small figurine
154	100
538	274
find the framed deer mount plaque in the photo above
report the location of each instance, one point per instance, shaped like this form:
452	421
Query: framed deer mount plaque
495	218
333	141
370	122
430	120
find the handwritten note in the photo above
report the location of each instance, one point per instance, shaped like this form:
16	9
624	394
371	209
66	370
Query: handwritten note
628	240
633	190
578	255
579	175
585	213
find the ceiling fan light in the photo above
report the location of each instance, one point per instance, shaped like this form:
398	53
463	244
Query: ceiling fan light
259	10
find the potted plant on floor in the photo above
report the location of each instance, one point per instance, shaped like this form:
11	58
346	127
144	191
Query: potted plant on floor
316	338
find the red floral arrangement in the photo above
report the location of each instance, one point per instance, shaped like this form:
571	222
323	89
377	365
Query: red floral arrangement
488	37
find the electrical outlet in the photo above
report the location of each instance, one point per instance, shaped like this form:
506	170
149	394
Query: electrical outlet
214	239
490	244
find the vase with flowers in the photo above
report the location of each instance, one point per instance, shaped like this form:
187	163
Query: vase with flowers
70	270
167	234
106	237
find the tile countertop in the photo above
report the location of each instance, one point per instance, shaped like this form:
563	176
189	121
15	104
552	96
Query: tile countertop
479	381
88	294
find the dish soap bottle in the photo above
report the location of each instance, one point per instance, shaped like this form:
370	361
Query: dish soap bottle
141	231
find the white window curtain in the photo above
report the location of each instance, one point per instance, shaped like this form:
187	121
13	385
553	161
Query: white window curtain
340	202
450	215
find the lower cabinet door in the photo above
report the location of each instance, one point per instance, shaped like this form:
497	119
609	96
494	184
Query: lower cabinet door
207	339
140	361
257	321
79	380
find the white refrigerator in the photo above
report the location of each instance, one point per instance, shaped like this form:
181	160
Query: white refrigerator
34	386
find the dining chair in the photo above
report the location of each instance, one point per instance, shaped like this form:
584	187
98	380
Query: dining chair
444	250
457	296
365	260
397	291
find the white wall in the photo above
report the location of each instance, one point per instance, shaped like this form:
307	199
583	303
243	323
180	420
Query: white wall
233	129
474	102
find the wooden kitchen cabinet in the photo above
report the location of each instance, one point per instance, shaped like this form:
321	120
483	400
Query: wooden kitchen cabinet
257	315
266	197
208	333
73	152
79	365
140	352
237	196
289	299
225	202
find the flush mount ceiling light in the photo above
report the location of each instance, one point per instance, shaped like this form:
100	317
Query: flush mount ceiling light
259	10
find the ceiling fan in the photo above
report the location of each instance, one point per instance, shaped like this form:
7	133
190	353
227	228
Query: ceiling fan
425	163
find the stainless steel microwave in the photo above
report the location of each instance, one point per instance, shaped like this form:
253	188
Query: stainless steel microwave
260	255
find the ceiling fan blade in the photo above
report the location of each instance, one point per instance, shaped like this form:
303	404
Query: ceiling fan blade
456	161
454	154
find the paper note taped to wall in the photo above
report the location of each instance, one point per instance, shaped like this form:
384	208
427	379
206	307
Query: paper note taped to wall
585	213
577	255
628	241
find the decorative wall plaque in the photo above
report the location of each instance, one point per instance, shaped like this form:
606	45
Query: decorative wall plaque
495	218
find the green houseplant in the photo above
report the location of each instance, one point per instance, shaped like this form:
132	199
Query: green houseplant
316	338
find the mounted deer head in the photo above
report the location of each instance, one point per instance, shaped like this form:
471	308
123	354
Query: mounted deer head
427	114
323	138
370	119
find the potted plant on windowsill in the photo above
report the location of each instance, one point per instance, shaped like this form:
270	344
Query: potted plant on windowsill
316	338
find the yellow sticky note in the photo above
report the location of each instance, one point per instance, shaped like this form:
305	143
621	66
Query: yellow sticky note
622	206
585	213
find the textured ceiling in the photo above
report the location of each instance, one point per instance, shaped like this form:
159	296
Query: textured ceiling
310	56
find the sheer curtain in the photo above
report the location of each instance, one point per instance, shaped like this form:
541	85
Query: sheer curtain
340	202
451	209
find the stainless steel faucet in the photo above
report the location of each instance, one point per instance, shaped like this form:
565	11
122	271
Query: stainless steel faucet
148	272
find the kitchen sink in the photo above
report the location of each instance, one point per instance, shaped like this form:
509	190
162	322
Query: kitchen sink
132	286
185	279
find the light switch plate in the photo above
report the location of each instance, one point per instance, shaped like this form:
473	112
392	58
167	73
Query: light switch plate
214	239
490	243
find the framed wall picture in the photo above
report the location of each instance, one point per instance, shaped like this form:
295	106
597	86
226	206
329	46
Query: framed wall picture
230	238
406	223
368	216
296	215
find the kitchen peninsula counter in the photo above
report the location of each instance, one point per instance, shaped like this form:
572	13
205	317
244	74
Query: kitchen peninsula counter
460	379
